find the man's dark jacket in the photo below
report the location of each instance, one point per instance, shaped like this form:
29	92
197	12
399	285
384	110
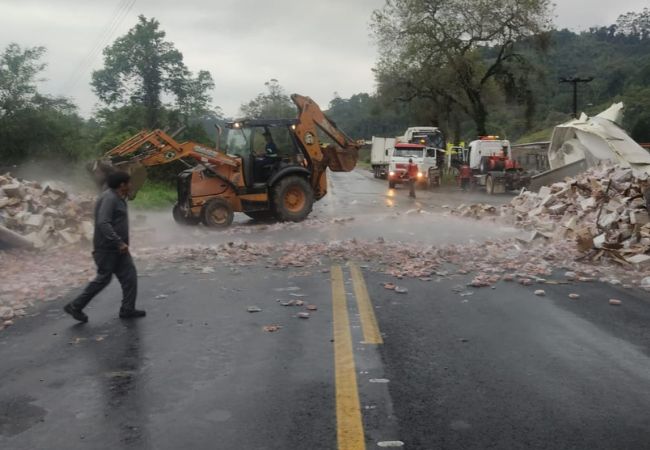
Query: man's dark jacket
111	222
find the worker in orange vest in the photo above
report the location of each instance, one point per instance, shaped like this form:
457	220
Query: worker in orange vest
412	174
465	175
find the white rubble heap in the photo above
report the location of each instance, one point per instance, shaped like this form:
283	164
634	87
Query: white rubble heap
42	216
602	211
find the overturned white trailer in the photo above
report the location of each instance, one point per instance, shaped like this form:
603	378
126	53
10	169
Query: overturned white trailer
590	141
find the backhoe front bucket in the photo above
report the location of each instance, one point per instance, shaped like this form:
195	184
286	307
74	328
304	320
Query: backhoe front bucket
100	169
339	159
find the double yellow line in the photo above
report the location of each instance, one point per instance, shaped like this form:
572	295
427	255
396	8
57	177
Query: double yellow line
349	423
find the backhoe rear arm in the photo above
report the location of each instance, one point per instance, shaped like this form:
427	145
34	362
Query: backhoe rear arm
341	157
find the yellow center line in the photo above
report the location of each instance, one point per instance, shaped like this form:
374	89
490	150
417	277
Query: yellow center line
371	334
349	425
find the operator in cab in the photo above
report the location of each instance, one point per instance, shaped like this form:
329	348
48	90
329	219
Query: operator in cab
271	148
264	162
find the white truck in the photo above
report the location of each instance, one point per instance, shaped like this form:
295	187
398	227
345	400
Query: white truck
380	154
425	158
431	137
492	165
425	145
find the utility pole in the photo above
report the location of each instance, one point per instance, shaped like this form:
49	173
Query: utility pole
574	81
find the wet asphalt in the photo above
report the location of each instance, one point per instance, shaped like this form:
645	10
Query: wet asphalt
499	369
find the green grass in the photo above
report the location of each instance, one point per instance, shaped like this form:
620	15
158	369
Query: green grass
155	195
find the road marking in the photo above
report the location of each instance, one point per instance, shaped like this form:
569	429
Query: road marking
349	425
371	334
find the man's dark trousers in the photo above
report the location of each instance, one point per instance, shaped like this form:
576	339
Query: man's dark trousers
109	263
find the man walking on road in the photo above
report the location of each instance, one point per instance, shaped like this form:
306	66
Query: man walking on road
412	174
111	250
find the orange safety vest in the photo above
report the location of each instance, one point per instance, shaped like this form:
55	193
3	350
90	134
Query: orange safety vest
412	170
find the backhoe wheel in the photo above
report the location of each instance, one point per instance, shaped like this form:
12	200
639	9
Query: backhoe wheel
180	219
489	185
217	213
261	216
391	185
293	198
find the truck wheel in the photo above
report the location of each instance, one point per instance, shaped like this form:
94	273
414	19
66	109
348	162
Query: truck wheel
293	198
489	185
261	216
391	185
180	219
432	180
217	213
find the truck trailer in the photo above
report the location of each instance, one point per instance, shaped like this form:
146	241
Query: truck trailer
380	154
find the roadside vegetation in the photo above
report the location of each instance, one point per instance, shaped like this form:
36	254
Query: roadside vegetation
155	195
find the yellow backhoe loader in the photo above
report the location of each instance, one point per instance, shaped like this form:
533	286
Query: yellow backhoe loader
268	168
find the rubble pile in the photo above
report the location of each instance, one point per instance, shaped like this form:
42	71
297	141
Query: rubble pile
604	211
42	216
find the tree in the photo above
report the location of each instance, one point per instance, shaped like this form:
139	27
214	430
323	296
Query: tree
274	104
633	24
32	124
363	116
18	71
435	49
141	66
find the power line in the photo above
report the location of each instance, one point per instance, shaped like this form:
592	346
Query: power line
574	81
119	14
103	42
98	40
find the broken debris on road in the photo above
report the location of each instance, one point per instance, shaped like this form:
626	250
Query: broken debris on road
34	215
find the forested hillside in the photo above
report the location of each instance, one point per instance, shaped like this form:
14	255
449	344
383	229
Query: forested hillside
619	63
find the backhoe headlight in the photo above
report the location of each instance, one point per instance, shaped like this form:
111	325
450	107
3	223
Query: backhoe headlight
391	173
420	174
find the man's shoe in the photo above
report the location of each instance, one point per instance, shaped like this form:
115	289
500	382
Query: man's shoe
76	313
132	313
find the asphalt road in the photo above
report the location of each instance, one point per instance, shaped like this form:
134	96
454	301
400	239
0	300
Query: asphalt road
371	368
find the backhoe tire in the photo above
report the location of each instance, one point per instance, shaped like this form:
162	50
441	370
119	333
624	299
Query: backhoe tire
293	198
261	216
217	213
180	219
391	185
489	185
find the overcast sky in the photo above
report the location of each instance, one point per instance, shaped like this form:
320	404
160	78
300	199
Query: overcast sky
312	47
